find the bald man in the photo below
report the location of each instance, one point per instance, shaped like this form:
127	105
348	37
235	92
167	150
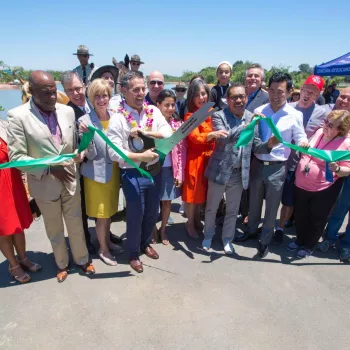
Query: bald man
43	128
155	85
342	102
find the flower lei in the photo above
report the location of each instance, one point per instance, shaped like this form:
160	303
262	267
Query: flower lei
173	124
148	111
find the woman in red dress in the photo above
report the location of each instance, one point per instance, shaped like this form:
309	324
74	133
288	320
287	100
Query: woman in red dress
200	145
15	216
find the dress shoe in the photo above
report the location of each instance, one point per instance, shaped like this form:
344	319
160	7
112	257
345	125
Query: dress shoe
151	253
115	239
278	237
61	275
90	248
246	236
136	264
262	250
88	268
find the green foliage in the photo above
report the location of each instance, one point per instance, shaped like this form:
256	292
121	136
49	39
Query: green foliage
305	68
170	78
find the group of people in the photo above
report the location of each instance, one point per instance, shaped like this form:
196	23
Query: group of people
205	169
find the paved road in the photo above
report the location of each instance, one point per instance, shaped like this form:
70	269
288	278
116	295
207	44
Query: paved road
186	299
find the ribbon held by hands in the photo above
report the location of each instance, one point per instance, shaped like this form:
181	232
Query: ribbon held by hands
328	156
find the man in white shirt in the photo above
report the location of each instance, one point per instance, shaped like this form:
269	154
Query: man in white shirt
85	68
142	196
268	171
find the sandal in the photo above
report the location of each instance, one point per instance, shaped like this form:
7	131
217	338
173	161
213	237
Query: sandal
25	278
34	267
61	275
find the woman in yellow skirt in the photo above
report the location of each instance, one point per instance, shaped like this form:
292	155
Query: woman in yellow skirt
101	175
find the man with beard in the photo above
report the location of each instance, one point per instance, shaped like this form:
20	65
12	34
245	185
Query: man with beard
313	117
268	171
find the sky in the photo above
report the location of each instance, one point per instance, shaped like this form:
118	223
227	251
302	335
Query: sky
173	36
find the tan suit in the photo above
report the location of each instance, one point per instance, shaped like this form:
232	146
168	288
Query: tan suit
29	138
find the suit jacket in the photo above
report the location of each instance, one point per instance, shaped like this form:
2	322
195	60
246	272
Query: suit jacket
261	98
77	111
99	166
29	138
223	159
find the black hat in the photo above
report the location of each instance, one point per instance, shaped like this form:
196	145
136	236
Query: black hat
180	85
99	71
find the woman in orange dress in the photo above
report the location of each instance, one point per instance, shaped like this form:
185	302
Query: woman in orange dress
15	216
200	145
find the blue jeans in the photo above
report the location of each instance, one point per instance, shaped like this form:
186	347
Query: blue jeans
337	217
142	205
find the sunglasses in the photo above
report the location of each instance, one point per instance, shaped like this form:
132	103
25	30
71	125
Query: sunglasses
236	97
136	63
180	90
85	56
154	82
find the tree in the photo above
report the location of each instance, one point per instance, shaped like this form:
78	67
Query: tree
305	68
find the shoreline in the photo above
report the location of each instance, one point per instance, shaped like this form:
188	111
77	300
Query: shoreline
9	87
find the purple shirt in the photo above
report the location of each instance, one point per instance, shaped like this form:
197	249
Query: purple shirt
52	123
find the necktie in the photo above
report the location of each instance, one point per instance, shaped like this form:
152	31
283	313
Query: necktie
84	75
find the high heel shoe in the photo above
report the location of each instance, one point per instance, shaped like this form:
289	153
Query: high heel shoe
25	278
34	267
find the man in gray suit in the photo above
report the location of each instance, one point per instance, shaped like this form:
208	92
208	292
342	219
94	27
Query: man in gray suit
228	167
313	118
254	77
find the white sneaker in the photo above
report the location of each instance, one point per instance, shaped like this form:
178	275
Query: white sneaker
228	248
206	244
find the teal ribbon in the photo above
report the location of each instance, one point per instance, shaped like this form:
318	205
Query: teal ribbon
247	134
84	144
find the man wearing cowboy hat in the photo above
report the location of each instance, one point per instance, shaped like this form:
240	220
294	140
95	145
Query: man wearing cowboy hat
84	69
135	63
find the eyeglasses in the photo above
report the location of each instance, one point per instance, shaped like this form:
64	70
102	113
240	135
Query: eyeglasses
78	89
329	124
154	82
180	90
136	63
307	92
236	97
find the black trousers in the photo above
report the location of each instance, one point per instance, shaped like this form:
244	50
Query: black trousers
83	211
311	212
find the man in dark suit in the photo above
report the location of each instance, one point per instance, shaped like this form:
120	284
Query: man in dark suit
75	90
254	77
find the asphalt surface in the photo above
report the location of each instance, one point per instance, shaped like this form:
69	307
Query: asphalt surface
186	299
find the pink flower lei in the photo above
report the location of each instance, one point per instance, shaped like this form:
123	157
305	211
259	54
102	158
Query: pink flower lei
173	124
148	111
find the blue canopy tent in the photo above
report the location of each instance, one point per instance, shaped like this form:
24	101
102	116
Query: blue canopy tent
337	67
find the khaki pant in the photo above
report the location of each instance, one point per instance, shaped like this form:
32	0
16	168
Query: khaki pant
53	212
233	191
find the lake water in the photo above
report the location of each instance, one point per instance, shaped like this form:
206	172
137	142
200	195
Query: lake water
12	98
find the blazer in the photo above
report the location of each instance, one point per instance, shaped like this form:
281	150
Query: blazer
222	161
77	111
261	98
98	166
29	138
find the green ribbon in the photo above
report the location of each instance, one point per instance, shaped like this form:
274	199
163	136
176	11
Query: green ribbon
247	134
84	144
